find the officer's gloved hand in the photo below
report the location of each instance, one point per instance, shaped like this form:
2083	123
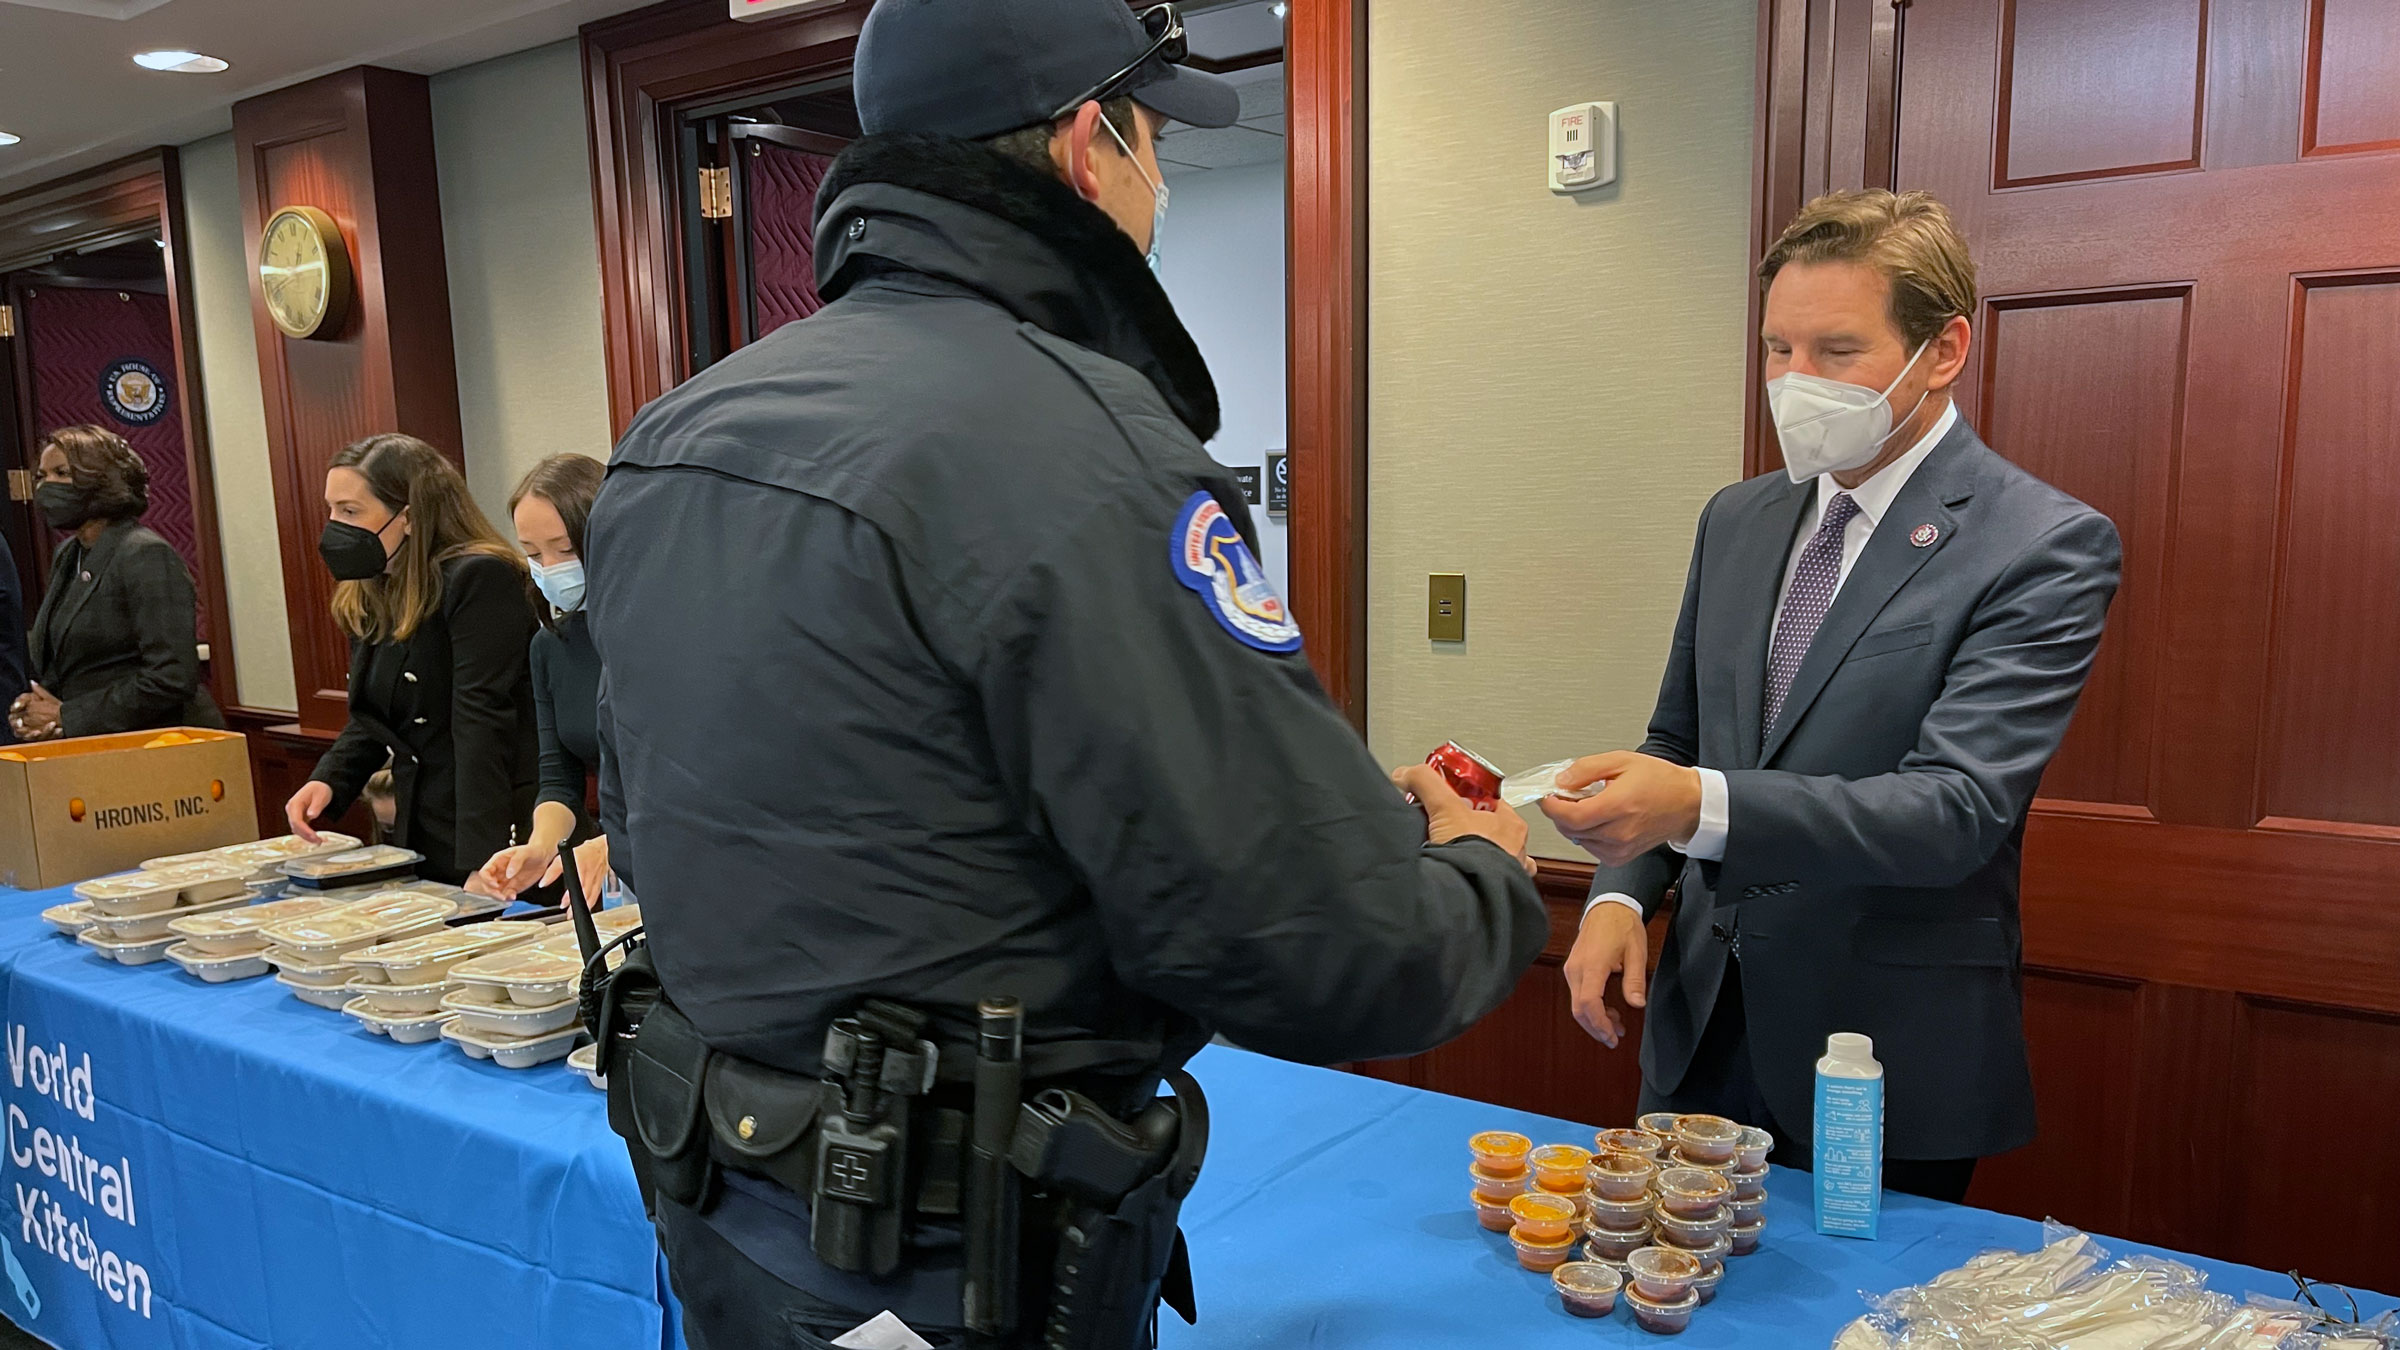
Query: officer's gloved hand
1449	816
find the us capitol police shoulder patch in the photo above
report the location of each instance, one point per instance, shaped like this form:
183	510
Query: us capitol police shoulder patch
1210	557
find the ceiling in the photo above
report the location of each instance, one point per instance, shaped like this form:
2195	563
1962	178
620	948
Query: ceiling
1256	139
70	90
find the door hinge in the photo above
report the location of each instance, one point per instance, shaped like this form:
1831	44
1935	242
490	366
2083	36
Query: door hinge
716	194
8	321
20	485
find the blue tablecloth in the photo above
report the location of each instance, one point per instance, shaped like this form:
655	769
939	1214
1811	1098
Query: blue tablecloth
1332	1214
295	1182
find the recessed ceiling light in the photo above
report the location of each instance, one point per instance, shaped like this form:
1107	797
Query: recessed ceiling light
6	139
189	63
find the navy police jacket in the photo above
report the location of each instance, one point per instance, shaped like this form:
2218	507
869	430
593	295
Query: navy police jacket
938	665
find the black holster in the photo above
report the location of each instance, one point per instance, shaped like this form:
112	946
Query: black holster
1118	1259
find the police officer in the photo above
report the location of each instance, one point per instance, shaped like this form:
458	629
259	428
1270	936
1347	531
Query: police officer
939	663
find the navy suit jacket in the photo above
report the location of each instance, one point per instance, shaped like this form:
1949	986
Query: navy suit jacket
1871	861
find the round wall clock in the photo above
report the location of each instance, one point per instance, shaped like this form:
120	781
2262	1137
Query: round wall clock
303	271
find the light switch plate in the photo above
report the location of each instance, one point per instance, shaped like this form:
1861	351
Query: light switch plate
1446	606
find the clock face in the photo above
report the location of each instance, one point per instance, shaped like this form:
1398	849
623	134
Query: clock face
301	269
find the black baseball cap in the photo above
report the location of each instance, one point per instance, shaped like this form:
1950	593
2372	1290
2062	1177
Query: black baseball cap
977	68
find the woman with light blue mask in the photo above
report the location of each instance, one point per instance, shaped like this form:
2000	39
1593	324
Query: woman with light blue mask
549	508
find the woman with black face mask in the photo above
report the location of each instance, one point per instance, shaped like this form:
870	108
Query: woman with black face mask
439	611
115	645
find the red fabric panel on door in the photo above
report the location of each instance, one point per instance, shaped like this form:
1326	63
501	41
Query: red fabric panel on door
782	188
78	336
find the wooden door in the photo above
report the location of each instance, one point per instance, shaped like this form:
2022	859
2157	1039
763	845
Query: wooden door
2187	218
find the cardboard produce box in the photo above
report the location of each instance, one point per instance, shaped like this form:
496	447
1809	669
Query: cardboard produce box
72	810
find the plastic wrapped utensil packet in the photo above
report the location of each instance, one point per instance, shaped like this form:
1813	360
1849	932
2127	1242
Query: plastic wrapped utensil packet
1527	786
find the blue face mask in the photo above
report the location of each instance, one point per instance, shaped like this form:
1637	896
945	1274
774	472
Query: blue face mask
561	585
1158	197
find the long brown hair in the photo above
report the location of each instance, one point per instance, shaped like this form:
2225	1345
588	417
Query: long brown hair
569	482
444	523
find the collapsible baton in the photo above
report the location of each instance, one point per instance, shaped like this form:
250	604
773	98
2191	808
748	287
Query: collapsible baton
992	1198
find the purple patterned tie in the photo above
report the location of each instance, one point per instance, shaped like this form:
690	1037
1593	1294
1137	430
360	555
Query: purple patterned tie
1813	584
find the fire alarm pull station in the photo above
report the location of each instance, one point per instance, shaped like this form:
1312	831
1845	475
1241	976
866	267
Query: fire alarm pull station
1583	147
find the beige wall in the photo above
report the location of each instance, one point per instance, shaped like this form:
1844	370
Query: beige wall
524	266
237	425
1555	384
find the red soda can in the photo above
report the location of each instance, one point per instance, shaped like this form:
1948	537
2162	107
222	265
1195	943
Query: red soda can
1469	775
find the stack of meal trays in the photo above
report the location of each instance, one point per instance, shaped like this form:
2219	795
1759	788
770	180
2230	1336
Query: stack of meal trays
399	987
311	952
517	1008
231	944
125	917
264	858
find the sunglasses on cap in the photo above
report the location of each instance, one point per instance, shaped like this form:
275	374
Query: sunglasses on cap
1168	42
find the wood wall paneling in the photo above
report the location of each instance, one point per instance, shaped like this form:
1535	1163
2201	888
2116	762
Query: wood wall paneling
641	71
2353	95
282	756
1325	76
2093	88
2086	390
2333	720
359	146
2155	190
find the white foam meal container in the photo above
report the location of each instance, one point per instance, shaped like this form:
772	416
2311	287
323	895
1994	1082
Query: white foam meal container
137	893
158	925
330	868
488	1009
217	969
402	1000
386	916
586	1061
323	996
512	1052
407	1028
429	956
70	918
537	975
238	929
140	952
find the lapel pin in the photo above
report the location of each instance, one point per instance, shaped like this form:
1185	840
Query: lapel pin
1924	535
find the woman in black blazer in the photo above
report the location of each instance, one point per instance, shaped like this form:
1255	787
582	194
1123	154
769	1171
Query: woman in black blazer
439	613
115	645
549	509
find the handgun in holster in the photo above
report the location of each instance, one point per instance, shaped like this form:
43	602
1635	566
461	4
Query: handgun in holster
1116	1191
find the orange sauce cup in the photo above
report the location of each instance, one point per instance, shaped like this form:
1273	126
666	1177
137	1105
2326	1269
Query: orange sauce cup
1559	1168
1543	1218
1500	1153
1492	1214
1535	1254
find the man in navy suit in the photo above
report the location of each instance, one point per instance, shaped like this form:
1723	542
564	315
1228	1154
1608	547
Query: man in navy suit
1879	652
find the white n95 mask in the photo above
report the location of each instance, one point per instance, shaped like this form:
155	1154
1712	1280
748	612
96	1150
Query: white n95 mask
1827	426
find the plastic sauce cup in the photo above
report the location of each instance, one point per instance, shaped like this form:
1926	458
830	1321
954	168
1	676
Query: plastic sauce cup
1662	1274
1676	1157
1643	1142
1708	1139
1747	1237
1692	1192
1502	1188
1601	1245
1545	1257
1621	1176
1543	1218
1675	1230
1750	1186
1492	1214
1559	1167
1620	1216
1711	1275
1500	1153
1587	1288
1660	1123
1748	1211
1754	1147
1665	1319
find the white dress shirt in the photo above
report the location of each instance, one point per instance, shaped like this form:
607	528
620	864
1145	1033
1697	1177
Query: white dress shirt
1874	498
